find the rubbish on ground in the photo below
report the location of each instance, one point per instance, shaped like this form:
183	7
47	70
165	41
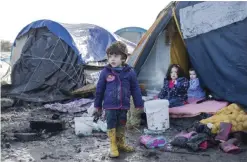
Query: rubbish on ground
150	154
84	126
152	142
27	136
91	110
71	107
55	117
102	125
188	153
225	130
92	77
195	141
48	125
230	146
153	132
147	98
85	89
6	102
157	112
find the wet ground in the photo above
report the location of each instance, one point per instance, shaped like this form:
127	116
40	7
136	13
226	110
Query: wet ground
67	147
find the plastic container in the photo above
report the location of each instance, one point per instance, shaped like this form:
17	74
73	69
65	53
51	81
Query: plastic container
157	112
83	126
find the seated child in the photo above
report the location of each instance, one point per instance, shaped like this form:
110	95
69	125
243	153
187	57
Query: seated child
175	87
195	92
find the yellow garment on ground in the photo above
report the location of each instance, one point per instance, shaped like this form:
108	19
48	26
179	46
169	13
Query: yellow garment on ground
231	114
134	115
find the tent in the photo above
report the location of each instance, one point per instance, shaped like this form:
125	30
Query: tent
209	36
48	58
133	34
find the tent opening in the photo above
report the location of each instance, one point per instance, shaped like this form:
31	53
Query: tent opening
168	49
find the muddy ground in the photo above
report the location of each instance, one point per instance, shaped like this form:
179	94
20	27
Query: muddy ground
65	146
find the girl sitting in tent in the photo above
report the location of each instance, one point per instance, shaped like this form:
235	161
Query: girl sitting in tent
195	91
175	87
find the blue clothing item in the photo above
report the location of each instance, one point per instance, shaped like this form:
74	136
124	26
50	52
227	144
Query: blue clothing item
195	90
176	93
114	89
174	102
116	118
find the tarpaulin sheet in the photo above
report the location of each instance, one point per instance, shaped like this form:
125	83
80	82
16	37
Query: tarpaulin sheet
220	58
87	40
46	70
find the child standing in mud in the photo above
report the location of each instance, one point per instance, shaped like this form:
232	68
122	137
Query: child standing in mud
117	82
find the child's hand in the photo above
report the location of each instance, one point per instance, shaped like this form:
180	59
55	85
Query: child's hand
97	112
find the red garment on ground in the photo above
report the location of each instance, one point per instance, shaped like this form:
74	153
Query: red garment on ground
204	145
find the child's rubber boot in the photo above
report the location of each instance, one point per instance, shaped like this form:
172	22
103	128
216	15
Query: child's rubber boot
121	144
113	145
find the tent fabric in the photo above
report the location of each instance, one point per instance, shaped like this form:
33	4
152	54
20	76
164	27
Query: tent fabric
87	40
131	29
220	58
48	58
137	53
133	34
153	71
217	17
179	53
47	69
153	33
219	55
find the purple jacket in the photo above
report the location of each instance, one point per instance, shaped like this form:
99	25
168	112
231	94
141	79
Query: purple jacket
114	89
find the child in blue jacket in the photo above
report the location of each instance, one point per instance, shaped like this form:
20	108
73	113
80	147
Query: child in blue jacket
117	82
195	91
175	87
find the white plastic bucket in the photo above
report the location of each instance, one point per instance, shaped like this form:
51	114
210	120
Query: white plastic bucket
83	125
157	113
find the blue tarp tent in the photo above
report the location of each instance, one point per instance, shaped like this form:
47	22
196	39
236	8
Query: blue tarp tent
133	34
215	40
48	58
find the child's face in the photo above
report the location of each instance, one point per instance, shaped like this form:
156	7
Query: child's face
174	73
115	60
192	74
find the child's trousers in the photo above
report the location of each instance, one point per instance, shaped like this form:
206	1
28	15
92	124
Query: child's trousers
116	118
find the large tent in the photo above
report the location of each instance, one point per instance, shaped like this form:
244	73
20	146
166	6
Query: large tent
208	36
133	34
48	58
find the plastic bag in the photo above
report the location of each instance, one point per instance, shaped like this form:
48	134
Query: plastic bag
102	125
91	110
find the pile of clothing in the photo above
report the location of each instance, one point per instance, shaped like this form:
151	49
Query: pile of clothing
192	140
202	138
